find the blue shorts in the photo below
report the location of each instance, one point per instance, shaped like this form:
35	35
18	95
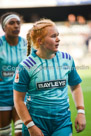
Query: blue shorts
51	127
6	98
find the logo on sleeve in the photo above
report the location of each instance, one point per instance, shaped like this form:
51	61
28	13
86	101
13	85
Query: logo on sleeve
51	84
17	78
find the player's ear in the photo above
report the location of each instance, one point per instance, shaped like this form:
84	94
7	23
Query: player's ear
4	29
39	41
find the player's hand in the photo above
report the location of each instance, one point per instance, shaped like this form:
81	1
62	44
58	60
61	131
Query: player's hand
80	122
35	131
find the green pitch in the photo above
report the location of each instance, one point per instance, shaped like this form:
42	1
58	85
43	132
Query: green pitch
86	87
85	73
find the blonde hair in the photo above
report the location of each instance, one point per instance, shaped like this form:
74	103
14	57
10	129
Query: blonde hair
28	43
37	31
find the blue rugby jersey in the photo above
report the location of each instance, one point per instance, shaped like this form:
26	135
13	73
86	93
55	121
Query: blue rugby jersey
10	57
46	81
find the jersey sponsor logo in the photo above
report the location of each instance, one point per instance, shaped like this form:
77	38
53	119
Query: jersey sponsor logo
17	78
7	73
51	84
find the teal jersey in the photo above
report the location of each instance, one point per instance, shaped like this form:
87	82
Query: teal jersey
10	57
46	82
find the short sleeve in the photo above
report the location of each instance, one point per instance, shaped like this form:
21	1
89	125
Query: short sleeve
73	76
21	80
1	45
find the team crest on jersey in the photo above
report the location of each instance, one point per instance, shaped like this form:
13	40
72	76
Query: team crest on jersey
51	84
17	78
65	66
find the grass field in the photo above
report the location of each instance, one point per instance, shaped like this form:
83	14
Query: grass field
86	87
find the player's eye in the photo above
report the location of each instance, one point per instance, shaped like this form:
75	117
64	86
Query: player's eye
18	22
11	22
54	35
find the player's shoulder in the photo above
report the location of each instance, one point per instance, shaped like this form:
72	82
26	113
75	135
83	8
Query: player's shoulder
29	62
64	55
2	39
22	40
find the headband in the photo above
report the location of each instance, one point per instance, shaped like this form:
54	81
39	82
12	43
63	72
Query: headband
8	18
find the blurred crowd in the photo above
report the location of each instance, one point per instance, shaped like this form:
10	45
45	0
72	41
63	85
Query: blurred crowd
80	21
75	34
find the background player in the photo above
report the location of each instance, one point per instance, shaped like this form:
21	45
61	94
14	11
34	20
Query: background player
45	75
12	50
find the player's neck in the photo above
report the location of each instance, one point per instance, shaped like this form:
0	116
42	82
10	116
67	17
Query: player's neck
12	40
45	55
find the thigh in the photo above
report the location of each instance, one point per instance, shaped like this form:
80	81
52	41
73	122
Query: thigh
5	118
40	123
17	123
15	116
66	131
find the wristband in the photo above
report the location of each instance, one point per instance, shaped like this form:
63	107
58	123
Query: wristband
80	107
27	122
30	124
81	111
